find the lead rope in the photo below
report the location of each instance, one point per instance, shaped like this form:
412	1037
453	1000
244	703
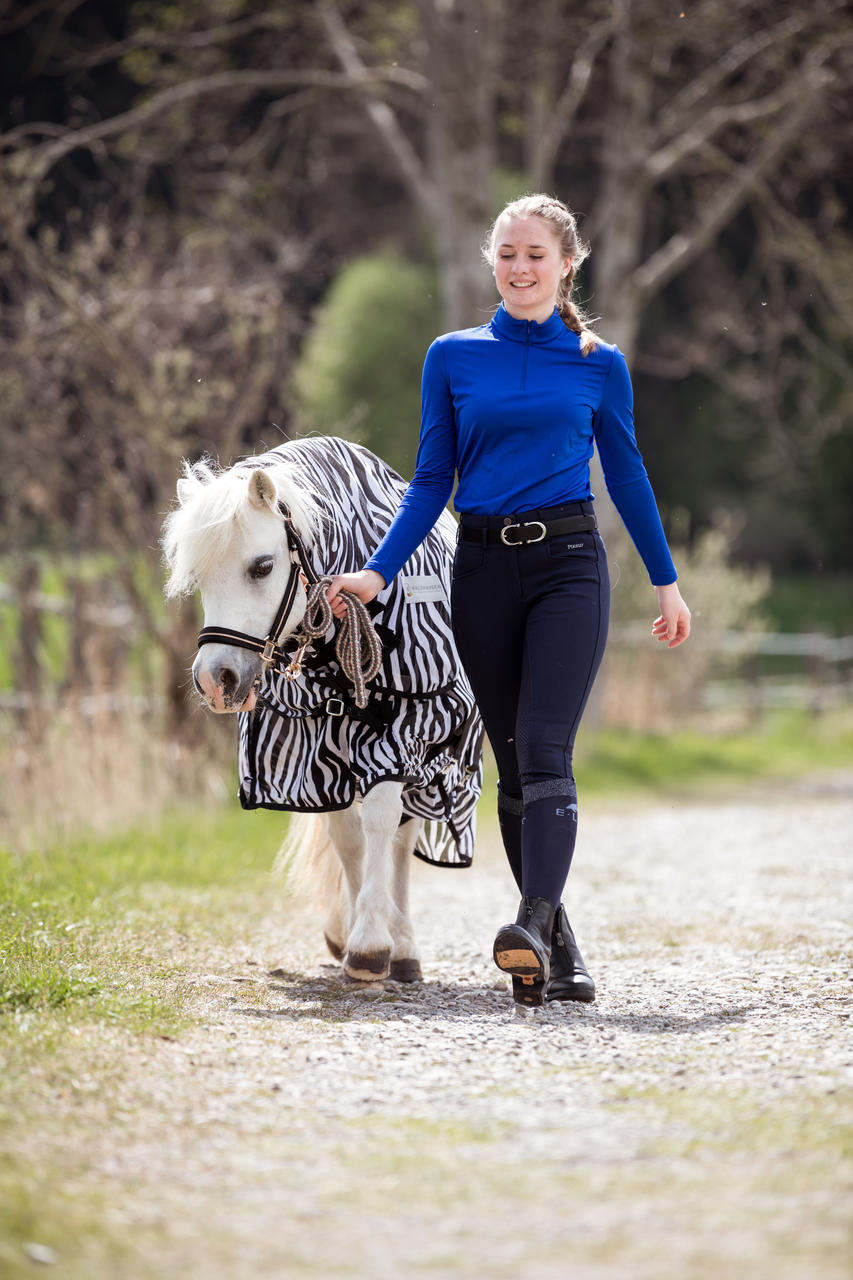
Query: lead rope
355	636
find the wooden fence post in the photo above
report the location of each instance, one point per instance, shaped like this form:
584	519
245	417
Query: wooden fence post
28	654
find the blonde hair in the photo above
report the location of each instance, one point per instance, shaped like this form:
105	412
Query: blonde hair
562	222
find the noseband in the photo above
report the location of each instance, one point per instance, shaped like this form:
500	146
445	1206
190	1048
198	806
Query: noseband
271	654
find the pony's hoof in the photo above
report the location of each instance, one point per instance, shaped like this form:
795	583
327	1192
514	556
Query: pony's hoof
368	968
406	971
334	947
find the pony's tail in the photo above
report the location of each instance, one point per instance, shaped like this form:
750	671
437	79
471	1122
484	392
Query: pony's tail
308	862
307	856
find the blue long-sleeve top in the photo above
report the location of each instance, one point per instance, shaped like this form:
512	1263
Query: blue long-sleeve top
514	408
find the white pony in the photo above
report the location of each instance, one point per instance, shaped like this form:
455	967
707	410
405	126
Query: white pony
247	538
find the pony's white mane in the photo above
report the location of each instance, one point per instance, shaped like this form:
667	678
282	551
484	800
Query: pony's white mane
213	505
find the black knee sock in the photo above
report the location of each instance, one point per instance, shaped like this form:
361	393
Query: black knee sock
548	842
509	821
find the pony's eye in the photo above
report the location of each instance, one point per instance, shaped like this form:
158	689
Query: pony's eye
261	568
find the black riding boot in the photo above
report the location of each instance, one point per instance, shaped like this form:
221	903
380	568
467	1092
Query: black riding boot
524	950
569	978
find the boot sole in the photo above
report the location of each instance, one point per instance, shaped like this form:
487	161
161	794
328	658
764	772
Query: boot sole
529	992
514	954
523	963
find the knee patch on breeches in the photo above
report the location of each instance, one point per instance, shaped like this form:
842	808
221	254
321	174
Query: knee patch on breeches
531	791
510	804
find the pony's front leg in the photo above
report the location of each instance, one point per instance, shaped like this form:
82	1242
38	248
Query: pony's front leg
369	946
405	964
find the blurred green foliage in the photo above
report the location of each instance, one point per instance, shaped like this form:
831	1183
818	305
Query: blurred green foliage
815	601
360	369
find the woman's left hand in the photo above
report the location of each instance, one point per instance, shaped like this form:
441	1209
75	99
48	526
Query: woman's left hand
673	624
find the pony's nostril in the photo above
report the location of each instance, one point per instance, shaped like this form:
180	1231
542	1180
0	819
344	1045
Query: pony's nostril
228	681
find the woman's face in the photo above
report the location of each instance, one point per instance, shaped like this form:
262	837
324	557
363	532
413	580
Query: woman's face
528	266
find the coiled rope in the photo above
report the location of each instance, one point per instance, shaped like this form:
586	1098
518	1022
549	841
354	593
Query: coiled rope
357	647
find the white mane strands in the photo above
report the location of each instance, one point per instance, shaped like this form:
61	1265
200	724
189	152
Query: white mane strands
198	532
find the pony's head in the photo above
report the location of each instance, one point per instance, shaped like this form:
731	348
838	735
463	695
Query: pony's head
227	538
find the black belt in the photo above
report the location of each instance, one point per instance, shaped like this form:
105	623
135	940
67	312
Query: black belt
512	534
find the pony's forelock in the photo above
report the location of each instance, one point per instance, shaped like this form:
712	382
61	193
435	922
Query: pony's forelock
213	502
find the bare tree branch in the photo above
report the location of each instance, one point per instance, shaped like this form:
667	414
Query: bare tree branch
796	241
691	139
685	246
23	17
383	118
563	112
150	39
86	318
42	158
671	119
34	128
58	14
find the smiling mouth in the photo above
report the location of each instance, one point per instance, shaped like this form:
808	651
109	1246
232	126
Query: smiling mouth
523	284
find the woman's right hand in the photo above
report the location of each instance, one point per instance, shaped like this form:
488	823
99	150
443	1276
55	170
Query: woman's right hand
366	584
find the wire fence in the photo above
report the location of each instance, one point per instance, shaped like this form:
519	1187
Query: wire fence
762	670
94	662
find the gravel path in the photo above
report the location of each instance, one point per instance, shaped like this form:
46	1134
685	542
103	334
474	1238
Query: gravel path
695	1122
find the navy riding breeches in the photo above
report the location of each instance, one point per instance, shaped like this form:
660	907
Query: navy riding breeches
530	623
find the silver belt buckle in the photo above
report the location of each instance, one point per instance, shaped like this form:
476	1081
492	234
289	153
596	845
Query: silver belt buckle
521	542
334	707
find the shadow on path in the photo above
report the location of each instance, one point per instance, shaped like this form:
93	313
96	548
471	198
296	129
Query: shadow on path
335	999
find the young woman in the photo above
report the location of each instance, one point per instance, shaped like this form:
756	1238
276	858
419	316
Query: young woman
514	407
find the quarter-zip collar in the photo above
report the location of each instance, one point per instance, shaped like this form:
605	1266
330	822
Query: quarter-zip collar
527	331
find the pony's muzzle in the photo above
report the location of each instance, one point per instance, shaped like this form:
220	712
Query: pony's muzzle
225	677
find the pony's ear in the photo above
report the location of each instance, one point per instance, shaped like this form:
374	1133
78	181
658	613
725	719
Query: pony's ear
185	488
262	491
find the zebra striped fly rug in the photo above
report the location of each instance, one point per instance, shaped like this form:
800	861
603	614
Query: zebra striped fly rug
306	747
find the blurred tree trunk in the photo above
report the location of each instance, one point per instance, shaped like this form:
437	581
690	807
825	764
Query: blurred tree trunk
562	63
620	213
463	66
454	185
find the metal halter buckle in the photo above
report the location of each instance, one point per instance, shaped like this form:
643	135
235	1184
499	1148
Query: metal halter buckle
334	706
268	651
520	542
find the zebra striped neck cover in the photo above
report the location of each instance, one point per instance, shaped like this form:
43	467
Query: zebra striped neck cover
308	747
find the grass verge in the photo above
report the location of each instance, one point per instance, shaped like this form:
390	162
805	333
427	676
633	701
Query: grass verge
77	919
782	748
